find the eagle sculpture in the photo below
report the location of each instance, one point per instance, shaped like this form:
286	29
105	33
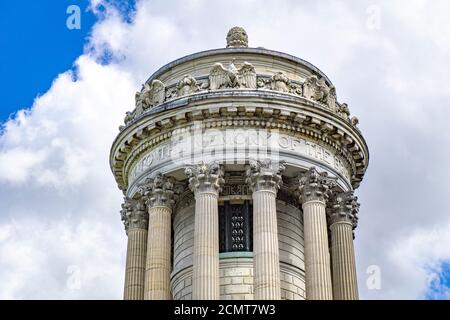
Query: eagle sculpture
232	77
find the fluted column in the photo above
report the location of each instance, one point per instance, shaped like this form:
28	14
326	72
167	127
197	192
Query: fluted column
343	219
135	219
264	179
314	189
204	181
158	193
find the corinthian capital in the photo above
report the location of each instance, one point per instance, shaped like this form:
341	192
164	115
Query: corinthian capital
265	175
315	185
205	177
158	191
133	214
344	207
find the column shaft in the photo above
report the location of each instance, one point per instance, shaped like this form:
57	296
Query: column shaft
266	257
135	264
158	267
206	247
317	256
343	256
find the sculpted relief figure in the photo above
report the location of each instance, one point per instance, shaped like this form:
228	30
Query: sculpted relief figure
316	89
187	85
128	117
151	95
354	121
157	93
244	77
343	111
332	99
280	82
142	99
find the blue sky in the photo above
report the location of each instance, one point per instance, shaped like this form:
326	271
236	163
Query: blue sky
59	205
37	47
439	286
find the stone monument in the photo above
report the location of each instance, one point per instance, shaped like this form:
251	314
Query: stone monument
238	168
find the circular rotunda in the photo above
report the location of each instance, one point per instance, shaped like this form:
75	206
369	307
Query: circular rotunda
238	168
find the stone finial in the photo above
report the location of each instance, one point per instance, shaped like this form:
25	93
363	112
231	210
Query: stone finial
133	214
344	207
315	186
264	175
158	191
205	177
237	38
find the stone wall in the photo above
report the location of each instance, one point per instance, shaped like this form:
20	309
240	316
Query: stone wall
183	225
236	276
291	244
236	268
183	237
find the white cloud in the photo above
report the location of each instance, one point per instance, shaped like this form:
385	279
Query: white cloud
59	201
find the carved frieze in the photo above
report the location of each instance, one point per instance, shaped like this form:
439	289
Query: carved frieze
246	141
232	77
280	82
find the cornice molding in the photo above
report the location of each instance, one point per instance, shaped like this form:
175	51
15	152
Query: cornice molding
303	120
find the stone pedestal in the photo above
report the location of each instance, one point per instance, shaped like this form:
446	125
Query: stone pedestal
204	181
159	199
343	220
264	180
314	189
136	221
